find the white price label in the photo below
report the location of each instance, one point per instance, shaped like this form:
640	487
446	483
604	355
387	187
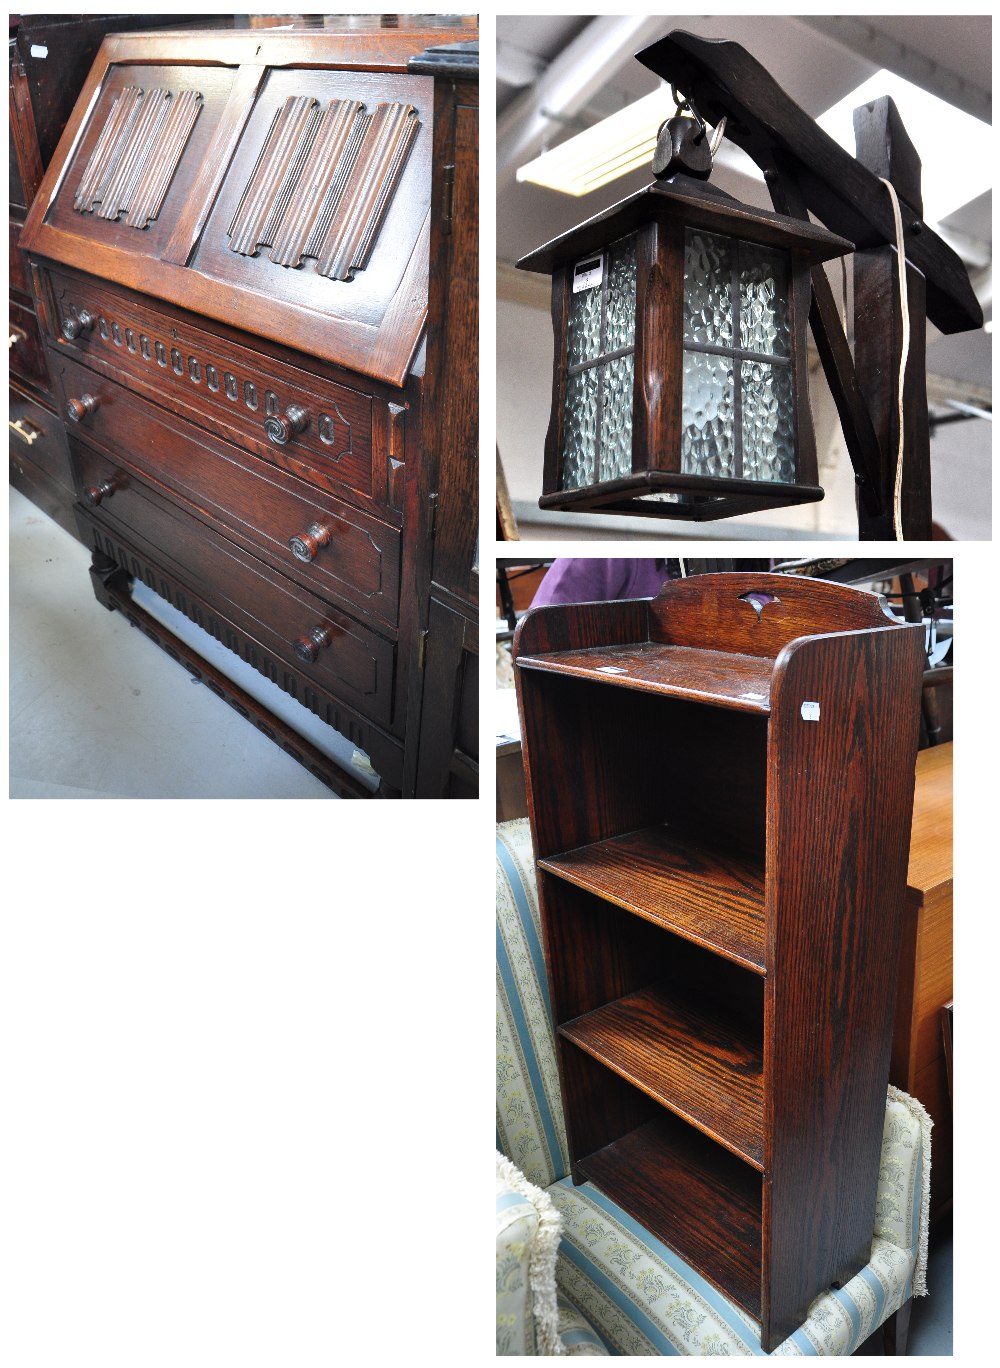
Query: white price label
588	274
810	712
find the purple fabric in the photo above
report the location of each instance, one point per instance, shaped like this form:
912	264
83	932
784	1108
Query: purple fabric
596	581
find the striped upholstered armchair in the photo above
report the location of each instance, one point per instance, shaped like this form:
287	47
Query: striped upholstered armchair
576	1274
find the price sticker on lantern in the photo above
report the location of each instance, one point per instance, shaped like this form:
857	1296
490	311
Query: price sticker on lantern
587	275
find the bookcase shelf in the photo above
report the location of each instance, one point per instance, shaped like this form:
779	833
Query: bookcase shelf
707	1067
724	678
705	1206
720	783
710	896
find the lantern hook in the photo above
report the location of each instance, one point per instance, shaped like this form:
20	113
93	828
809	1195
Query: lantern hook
681	145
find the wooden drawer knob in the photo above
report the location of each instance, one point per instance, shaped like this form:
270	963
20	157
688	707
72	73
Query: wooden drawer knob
304	546
282	427
308	647
95	493
73	325
78	409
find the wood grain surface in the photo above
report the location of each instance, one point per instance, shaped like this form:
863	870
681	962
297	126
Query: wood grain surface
840	799
742	682
712	897
701	1064
701	1201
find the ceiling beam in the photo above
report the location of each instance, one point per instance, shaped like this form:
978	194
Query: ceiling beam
567	85
860	35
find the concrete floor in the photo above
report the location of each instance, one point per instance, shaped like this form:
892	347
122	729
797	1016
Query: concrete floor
98	711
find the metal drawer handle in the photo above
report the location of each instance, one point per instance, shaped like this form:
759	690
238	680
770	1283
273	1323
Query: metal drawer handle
95	493
75	324
308	647
306	545
24	429
282	427
78	409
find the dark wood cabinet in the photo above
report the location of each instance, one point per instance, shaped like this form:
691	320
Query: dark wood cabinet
255	255
720	784
49	57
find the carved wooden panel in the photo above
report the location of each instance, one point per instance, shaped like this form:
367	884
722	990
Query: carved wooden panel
323	183
137	154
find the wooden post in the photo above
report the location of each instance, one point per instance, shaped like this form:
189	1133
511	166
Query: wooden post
835	356
884	148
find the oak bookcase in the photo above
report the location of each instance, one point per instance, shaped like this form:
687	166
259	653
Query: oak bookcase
720	783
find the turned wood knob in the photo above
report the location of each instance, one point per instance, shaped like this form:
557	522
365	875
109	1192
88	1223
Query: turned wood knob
282	427
305	545
75	324
95	493
78	409
308	647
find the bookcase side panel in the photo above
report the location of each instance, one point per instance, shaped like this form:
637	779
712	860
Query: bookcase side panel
842	749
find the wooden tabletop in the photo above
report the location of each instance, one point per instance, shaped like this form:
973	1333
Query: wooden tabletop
931	836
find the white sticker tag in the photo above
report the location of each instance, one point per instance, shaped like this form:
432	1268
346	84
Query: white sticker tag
610	669
588	274
39	50
810	712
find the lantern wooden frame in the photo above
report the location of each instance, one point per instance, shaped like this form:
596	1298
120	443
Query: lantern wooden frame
659	215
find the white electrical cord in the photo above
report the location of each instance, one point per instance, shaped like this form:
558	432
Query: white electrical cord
897	492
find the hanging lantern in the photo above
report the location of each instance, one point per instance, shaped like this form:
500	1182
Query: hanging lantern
680	386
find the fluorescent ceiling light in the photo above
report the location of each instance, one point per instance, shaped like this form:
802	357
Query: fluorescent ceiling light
955	149
611	148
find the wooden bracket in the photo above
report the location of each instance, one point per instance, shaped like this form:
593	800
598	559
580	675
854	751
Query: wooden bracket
843	192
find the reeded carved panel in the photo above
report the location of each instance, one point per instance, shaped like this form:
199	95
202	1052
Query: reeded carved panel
323	183
137	154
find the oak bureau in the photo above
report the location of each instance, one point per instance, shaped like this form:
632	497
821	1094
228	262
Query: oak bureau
254	256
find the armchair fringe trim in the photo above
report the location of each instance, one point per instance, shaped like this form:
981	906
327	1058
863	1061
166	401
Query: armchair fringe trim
920	1112
542	1263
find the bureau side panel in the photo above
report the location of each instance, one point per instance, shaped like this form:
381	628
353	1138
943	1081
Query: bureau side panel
840	778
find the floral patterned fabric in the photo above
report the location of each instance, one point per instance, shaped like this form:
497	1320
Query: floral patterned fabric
530	1126
577	1334
527	1230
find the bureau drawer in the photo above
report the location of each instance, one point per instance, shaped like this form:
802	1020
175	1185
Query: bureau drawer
324	646
38	439
304	423
26	352
353	556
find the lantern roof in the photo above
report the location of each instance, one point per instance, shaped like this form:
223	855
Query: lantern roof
697	205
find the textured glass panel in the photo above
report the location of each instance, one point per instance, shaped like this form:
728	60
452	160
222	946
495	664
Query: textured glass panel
579	430
621	296
707	423
768	423
616	429
763	300
584	326
708	288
